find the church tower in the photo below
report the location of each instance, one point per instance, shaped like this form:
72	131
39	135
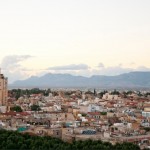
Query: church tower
3	90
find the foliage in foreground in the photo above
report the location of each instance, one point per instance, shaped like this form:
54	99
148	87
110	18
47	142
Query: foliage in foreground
10	140
16	108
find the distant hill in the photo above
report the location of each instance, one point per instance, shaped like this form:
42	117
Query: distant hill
132	79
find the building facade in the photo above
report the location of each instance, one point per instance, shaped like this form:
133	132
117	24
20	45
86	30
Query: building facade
3	90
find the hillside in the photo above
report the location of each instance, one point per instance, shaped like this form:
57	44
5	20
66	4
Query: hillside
132	79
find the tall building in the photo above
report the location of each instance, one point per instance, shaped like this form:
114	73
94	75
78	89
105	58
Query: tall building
3	90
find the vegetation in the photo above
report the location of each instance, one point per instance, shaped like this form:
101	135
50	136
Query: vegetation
10	140
22	92
16	93
115	92
102	93
16	108
84	115
103	113
147	94
89	92
35	107
95	93
147	129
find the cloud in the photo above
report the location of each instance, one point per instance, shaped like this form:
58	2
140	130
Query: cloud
100	69
132	63
100	65
13	61
117	70
12	68
113	70
70	67
85	70
143	68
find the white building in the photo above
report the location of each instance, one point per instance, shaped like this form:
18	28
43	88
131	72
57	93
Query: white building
95	108
146	113
108	96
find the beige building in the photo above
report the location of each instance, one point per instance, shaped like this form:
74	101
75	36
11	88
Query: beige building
3	90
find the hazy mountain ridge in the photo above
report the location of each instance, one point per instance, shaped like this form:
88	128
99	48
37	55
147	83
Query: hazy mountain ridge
132	79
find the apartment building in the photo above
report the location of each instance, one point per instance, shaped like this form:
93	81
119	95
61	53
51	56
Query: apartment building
3	90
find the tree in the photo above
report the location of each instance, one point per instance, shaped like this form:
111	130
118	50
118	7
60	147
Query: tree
16	108
102	93
89	92
103	113
16	140
115	92
35	108
95	93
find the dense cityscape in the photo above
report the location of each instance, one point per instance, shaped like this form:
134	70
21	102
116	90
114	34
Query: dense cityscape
74	115
74	75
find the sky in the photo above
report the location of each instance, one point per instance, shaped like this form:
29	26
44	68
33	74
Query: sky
80	37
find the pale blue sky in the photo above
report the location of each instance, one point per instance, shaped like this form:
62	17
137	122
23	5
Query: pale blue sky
55	33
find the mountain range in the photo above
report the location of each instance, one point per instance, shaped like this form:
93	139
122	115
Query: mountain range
129	80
